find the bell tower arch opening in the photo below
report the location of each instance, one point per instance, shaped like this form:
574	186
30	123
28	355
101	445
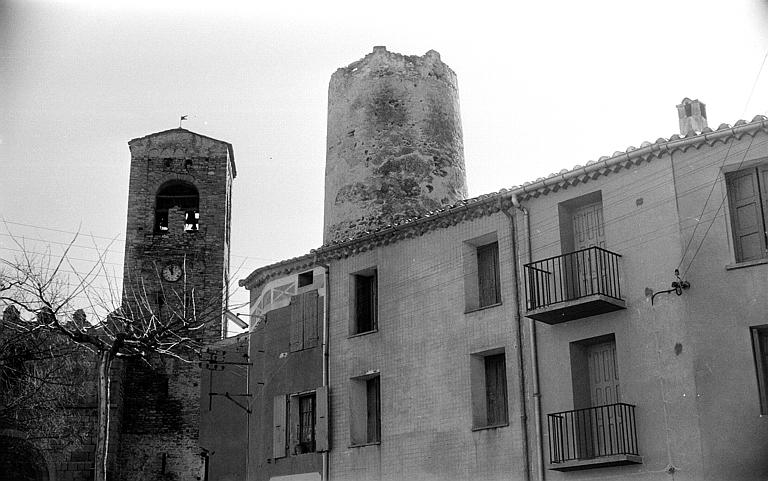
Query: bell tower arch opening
182	195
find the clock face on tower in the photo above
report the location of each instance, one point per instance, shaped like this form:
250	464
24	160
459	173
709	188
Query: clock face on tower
172	272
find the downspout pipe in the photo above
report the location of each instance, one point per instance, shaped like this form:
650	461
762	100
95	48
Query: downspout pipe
519	340
326	315
534	350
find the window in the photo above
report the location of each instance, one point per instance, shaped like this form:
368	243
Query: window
306	278
178	195
364	302
306	429
489	389
300	423
760	349
482	285
748	200
488	274
305	313
365	406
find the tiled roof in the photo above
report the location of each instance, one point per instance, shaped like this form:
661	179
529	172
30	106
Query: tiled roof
495	201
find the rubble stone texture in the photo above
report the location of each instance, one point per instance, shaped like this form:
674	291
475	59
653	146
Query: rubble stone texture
394	146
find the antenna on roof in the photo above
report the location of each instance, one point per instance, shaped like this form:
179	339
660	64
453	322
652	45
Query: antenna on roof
181	119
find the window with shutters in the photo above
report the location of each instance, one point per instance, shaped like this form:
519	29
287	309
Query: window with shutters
760	349
364	302
301	423
748	201
488	373
365	410
305	316
482	283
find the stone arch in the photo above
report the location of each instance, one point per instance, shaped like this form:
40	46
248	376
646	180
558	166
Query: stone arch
21	460
177	194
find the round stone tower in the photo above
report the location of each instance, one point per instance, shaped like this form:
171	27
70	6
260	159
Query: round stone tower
395	147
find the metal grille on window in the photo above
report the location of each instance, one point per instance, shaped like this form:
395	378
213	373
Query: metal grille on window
307	424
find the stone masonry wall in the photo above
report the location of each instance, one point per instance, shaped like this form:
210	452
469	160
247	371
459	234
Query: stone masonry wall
159	438
395	147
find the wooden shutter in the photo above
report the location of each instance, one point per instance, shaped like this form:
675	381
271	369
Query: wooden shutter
496	388
297	324
322	442
310	308
278	426
488	273
747	215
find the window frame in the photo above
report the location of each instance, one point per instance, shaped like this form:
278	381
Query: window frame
473	251
759	338
358	282
303	446
488	253
756	171
483	416
365	411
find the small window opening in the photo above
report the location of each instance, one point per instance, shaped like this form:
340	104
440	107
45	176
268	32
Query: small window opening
488	374
365	410
364	302
182	196
306	278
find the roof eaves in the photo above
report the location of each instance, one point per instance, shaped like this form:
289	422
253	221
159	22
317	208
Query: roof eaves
542	186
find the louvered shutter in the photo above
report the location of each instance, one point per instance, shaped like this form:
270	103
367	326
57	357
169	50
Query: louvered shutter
322	442
293	423
762	173
310	308
297	324
746	213
278	426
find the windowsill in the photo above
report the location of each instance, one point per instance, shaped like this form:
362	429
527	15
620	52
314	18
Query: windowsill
375	443
304	454
741	265
482	308
492	426
362	333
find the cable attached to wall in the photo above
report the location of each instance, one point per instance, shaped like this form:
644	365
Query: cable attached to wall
678	286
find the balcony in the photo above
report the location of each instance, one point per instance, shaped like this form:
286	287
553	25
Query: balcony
572	286
594	437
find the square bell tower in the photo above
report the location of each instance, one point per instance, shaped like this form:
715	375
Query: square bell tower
178	229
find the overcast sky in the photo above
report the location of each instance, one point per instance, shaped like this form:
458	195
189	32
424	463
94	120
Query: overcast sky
543	86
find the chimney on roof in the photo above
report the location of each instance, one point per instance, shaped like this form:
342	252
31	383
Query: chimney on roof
692	115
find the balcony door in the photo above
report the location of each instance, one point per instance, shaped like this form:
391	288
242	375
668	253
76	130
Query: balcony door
604	390
588	231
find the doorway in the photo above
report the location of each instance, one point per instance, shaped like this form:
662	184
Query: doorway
596	391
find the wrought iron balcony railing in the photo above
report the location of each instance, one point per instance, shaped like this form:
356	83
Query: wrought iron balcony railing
587	435
574	285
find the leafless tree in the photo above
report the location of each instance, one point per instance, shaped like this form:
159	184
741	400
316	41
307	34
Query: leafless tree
37	370
49	294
